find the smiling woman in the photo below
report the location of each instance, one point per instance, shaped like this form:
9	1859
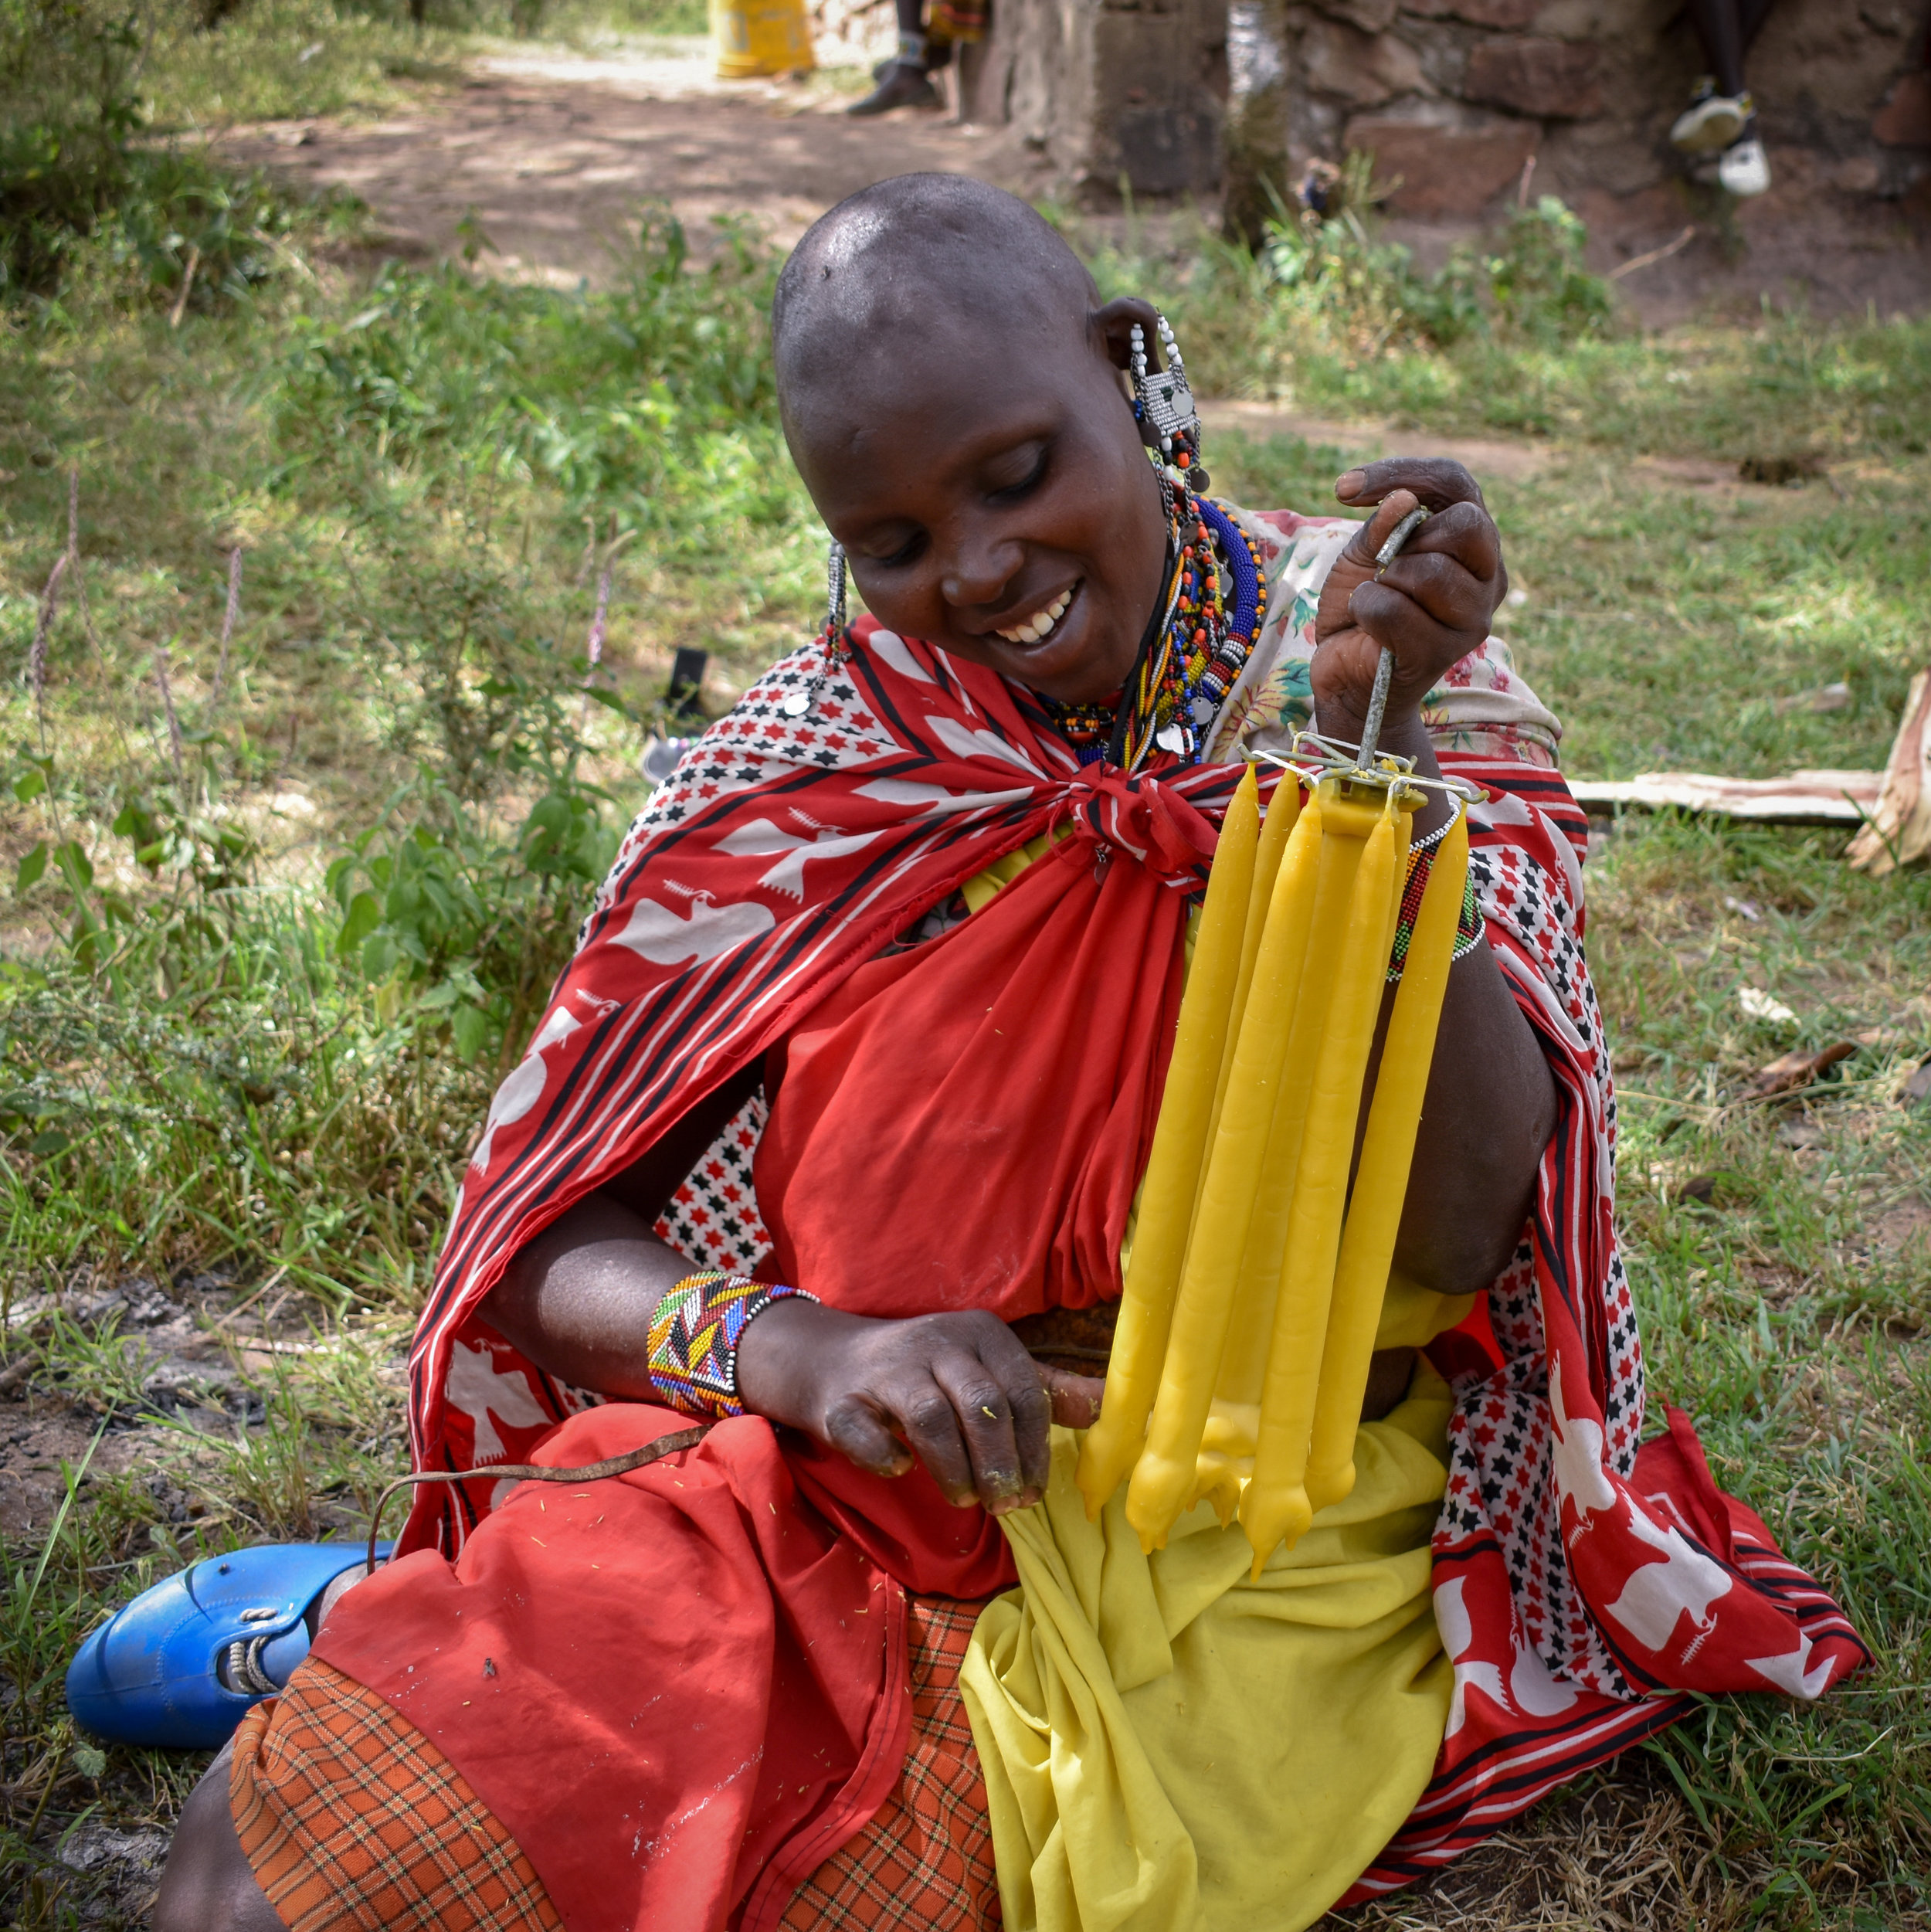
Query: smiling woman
832	1138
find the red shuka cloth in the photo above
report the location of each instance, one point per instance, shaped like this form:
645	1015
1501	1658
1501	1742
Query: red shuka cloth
1005	1078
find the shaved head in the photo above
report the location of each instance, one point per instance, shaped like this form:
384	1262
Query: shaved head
919	254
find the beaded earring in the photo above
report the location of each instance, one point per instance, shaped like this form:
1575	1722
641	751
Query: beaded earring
835	637
835	596
1163	405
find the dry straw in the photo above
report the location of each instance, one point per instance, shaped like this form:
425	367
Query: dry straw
37	652
229	618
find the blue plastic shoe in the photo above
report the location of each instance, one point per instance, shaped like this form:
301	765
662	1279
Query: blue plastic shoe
177	1668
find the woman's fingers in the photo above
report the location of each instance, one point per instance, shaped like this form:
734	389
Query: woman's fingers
928	1417
1003	1414
1075	1399
1423	644
1463	537
1464	534
1437	482
958	1392
1424	596
1032	1406
860	1434
1431	604
1365	544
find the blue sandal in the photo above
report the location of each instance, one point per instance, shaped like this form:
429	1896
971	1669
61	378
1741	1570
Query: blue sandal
177	1668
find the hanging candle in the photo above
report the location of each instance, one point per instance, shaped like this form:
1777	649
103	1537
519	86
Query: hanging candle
1284	812
1275	1507
1141	1336
1316	878
1344	824
1381	1187
1164	1479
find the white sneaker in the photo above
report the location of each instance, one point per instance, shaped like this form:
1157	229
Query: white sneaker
1745	168
1711	121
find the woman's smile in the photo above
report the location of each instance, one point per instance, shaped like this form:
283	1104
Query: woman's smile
1031	629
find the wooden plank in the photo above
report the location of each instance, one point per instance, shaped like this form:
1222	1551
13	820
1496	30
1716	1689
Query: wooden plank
1799	798
1899	830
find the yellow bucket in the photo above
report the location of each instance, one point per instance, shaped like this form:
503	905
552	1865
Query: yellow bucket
755	37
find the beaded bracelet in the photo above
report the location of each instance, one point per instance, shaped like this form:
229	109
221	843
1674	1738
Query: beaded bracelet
1468	925
694	1336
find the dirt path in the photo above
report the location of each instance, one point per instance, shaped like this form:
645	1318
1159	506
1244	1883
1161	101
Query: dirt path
553	155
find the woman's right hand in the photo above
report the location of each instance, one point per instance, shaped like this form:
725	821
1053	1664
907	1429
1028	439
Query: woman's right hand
958	1391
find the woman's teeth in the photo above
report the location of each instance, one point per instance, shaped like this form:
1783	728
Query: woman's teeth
1037	625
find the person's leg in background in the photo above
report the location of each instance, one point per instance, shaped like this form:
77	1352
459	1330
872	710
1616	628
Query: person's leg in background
906	82
1721	117
1720	29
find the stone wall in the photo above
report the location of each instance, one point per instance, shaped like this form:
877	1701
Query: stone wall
1108	92
1453	97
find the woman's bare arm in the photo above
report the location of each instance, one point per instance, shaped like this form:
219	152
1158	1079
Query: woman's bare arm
959	1391
577	1300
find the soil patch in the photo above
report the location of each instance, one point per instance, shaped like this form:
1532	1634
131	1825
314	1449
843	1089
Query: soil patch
555	157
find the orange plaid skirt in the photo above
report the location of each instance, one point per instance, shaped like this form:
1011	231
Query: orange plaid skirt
352	1818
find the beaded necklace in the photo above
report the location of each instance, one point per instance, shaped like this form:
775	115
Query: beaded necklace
1215	604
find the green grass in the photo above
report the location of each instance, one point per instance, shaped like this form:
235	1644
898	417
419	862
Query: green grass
251	1004
286	59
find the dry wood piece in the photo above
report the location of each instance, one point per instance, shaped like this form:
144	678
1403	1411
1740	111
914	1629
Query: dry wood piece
1898	831
1790	1070
1799	798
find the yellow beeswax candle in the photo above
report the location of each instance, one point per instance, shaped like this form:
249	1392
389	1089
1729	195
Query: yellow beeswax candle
1275	1507
1173	1162
1381	1186
1341	825
1283	814
1164	1477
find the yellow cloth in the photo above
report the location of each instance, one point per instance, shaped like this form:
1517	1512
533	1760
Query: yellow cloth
1412	1316
1167	1746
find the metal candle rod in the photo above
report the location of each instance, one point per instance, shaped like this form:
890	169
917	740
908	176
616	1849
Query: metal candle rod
1385	666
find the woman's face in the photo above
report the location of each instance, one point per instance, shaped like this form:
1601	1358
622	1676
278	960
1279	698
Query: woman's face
994	499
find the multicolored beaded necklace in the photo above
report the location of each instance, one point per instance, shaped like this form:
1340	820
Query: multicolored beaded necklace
1217	603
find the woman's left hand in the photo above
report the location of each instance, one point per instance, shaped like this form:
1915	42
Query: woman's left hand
1431	607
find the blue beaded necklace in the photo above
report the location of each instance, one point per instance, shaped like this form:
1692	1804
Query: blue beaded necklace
1215	606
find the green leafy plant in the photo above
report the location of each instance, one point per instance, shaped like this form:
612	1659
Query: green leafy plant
461	929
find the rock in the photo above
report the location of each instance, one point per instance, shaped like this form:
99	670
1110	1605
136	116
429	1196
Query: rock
1551	78
92	1845
1449	161
1861	175
1480	13
1363	69
1904	120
